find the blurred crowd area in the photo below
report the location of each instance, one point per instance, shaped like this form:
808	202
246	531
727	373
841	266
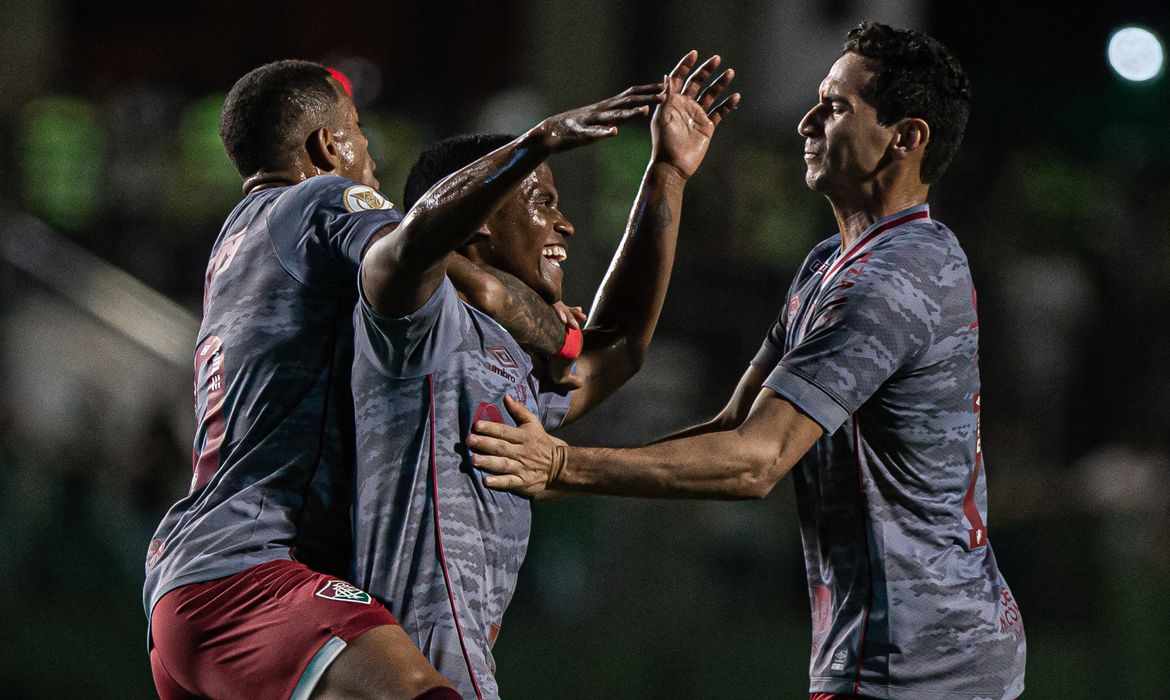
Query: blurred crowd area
118	184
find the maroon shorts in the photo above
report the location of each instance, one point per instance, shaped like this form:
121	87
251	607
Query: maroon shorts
267	632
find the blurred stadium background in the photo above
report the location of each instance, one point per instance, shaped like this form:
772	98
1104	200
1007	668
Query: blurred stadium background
117	184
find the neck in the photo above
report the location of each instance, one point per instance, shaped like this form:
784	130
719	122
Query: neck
265	179
854	217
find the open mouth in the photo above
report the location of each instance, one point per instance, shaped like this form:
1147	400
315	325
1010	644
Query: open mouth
555	254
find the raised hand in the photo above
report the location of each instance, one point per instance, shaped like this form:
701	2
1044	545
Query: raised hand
584	125
685	120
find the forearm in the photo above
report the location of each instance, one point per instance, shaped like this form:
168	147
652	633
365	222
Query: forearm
711	426
720	465
630	297
526	316
626	309
521	311
454	208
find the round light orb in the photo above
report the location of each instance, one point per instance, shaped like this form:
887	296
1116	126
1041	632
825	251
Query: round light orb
1136	54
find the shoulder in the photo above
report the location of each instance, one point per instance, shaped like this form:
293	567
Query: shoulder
333	192
922	249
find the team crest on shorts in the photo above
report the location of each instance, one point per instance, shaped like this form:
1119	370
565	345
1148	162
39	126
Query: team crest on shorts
344	592
364	198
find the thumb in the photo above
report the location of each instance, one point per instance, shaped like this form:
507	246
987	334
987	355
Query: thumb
519	411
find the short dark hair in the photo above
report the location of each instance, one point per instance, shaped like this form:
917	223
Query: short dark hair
916	77
444	158
270	111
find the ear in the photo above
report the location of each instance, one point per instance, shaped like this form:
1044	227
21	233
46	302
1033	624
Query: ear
322	151
476	248
910	138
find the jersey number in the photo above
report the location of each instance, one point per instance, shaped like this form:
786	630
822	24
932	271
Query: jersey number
209	399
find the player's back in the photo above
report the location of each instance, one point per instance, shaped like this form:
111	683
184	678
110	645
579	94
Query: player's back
273	451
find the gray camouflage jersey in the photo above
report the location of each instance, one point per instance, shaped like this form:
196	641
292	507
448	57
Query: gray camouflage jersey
436	546
273	452
879	345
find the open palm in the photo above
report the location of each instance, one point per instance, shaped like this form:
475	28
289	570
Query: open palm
685	121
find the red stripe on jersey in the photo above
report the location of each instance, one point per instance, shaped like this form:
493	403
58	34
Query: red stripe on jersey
858	245
977	534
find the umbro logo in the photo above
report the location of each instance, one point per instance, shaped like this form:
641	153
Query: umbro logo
344	592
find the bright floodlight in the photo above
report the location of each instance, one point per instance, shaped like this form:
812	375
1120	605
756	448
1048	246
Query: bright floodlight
1135	53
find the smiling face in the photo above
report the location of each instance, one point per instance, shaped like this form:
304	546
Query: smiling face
528	235
844	146
353	149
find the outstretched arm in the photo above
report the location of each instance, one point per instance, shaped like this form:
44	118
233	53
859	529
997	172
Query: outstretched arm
630	298
404	268
745	462
514	305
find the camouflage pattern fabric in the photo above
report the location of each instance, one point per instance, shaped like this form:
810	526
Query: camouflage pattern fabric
879	345
273	453
436	546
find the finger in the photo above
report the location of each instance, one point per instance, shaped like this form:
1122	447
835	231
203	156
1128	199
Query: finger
519	411
685	64
695	81
563	313
629	101
504	483
490	446
597	132
647	89
612	116
716	115
708	97
579	314
496	465
491	429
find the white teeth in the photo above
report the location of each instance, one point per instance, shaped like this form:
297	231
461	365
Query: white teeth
555	254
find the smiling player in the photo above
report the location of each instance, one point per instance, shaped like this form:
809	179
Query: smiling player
432	543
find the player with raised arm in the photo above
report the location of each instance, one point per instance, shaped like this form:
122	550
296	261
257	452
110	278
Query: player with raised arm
245	577
867	388
439	549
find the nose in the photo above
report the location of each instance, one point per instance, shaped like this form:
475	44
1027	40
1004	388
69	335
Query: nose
564	227
810	124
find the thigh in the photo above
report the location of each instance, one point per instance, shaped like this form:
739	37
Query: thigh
269	632
383	663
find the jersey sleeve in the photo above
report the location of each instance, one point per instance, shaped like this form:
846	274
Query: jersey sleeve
551	401
321	227
866	329
772	349
412	345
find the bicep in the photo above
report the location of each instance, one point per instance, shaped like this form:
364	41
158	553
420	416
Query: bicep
391	285
781	433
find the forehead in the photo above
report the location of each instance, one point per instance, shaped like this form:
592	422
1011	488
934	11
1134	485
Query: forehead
849	76
540	179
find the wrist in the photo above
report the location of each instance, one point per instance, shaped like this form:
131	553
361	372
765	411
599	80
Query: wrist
539	139
560	457
571	348
666	173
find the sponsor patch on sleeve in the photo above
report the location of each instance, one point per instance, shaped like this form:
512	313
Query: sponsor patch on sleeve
364	198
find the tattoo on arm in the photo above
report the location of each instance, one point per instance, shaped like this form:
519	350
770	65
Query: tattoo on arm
660	214
525	315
